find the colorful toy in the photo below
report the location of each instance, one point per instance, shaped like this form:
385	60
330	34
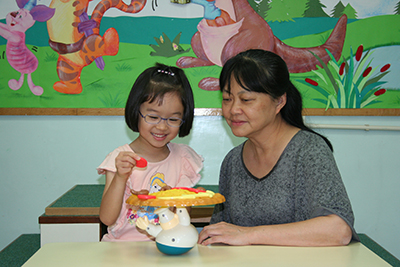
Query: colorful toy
174	234
18	55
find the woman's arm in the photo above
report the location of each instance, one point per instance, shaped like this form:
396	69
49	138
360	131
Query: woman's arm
330	230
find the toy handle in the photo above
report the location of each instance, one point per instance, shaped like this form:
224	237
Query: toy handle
142	222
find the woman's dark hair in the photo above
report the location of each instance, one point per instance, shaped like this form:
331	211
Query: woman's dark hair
151	85
262	71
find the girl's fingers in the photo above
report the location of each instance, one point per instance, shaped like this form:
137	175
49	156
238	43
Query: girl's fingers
141	192
165	187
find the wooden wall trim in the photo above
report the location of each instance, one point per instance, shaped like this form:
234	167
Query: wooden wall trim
198	112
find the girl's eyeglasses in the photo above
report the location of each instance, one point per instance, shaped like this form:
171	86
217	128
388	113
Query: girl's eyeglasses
155	119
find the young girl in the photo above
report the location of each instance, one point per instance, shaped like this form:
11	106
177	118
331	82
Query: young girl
160	106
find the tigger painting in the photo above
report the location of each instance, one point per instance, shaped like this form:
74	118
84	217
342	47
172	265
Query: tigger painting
77	41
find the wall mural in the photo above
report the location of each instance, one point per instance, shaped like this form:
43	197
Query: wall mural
65	54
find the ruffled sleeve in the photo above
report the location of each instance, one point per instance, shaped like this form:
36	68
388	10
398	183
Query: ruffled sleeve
109	162
192	164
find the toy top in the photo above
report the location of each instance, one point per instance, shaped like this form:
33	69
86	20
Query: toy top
177	197
141	163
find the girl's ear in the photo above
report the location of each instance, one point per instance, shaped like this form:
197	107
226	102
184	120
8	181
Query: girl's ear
281	103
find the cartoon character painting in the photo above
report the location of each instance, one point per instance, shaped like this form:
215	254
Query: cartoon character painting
18	55
77	41
318	48
215	44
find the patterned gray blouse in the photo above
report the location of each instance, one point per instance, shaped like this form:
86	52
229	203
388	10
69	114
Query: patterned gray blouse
305	183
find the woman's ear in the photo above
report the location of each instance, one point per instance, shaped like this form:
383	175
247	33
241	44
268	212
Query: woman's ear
281	103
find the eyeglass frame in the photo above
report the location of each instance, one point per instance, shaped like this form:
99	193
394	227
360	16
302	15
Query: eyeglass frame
161	119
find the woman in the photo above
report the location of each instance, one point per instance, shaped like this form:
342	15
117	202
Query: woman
282	185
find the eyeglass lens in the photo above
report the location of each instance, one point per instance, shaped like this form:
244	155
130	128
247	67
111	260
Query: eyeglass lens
155	119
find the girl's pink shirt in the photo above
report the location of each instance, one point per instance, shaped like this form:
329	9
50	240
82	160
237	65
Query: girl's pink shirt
180	168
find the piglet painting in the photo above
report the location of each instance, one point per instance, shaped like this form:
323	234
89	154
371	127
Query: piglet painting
18	55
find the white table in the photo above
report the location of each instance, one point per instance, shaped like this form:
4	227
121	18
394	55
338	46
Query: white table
146	254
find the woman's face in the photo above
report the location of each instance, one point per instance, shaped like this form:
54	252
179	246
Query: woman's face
158	135
249	113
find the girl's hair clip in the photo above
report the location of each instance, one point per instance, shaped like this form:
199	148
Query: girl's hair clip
166	72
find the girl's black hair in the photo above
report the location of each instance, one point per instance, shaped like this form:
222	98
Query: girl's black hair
262	71
151	85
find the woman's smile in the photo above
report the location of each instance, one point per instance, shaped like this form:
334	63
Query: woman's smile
236	122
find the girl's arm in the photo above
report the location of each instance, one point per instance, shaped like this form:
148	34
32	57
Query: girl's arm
113	196
330	230
114	188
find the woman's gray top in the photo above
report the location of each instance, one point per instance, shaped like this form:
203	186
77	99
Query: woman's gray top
305	183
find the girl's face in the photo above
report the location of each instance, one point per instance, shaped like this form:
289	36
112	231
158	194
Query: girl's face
249	113
159	135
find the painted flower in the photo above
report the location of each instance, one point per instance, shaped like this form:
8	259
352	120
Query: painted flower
385	68
380	92
312	82
359	52
366	71
341	70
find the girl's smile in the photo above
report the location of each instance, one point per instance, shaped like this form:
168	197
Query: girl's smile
154	137
159	137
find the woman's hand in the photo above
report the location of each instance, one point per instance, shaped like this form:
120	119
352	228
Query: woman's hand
224	233
322	231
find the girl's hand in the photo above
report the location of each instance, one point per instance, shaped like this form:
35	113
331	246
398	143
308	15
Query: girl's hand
141	192
165	188
224	233
125	162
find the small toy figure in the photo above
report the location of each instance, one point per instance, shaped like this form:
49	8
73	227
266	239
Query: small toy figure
18	55
174	235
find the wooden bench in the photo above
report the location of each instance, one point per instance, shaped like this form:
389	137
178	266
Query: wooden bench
20	250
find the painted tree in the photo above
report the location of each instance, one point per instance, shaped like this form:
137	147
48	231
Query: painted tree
278	11
254	4
296	8
337	10
314	9
397	9
350	12
263	7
